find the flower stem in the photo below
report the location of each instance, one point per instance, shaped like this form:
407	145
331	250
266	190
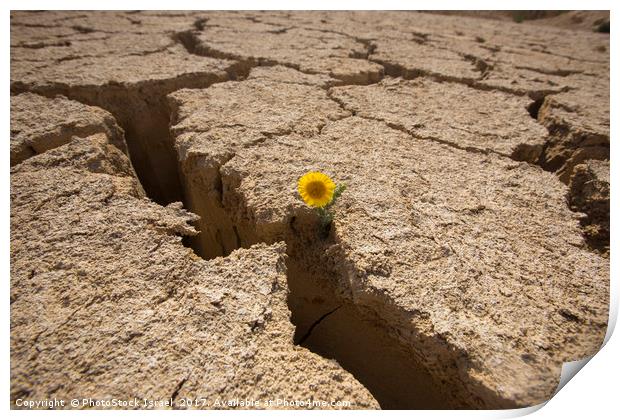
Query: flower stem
325	213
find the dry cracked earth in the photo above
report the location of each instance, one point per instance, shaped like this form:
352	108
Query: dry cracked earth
159	249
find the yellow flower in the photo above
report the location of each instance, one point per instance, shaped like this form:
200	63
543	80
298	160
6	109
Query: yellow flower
316	189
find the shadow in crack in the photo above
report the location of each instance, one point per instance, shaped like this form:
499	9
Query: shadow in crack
337	330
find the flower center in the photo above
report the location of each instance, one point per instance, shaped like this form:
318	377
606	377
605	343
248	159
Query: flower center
315	189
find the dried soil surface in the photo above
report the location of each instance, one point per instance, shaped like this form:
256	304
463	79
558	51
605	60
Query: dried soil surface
586	20
159	249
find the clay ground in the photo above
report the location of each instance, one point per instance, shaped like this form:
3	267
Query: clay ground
159	249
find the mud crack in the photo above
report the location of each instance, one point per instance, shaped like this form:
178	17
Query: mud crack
303	338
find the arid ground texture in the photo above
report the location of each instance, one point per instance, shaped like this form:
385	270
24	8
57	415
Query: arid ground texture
159	247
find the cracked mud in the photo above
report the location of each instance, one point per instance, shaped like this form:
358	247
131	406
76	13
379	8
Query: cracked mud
158	249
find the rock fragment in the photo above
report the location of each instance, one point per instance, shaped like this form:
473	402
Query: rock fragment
39	124
292	107
308	50
450	113
289	75
578	124
589	194
409	59
117	44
